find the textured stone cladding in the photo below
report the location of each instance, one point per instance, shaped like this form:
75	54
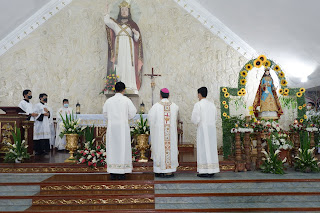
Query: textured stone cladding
66	58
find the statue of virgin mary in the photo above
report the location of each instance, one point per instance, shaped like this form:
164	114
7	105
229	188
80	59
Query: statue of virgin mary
267	99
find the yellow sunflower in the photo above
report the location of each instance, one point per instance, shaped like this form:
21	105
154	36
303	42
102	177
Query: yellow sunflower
300	107
284	82
257	63
243	81
301	120
276	68
302	90
226	95
224	89
226	106
286	90
299	94
304	105
249	67
224	114
267	63
243	90
281	91
228	117
305	117
262	58
224	102
285	94
281	75
239	93
243	73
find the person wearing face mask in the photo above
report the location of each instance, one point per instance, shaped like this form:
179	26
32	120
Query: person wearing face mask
26	106
310	110
60	143
42	133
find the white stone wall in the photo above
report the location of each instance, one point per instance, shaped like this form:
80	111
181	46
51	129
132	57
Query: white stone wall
66	58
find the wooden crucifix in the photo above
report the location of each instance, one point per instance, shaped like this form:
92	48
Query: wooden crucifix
153	83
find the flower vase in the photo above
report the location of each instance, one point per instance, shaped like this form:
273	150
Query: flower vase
142	145
72	145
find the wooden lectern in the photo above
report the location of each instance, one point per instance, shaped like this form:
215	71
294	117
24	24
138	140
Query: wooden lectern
8	122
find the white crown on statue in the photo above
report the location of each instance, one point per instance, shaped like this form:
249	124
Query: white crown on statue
124	4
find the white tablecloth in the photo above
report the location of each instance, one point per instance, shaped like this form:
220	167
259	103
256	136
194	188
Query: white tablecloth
99	121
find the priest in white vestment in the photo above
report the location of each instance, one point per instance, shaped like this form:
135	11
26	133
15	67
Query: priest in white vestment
127	53
60	143
118	110
42	132
163	119
26	106
204	115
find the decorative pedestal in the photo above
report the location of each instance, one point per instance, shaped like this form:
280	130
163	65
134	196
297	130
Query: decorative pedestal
239	163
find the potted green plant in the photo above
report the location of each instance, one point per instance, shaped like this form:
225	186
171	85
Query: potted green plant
18	150
142	131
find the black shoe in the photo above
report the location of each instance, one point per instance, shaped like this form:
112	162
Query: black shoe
211	175
157	174
170	175
203	175
121	177
113	177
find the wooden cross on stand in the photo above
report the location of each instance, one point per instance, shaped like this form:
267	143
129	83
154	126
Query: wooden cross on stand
153	83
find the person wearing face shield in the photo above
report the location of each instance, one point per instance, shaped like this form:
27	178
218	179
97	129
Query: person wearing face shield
42	132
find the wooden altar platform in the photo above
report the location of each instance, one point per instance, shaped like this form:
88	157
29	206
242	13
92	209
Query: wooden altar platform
54	163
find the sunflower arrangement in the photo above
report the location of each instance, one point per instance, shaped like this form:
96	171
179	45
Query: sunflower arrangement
267	63
262	58
257	63
281	75
248	67
299	94
243	73
276	68
281	91
243	81
284	82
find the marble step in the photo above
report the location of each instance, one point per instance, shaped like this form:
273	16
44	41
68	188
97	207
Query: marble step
225	200
28	190
15	204
249	186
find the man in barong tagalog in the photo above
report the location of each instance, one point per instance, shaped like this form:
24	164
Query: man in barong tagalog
267	99
125	53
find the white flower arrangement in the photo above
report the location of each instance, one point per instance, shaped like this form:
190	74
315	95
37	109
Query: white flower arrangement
241	130
18	150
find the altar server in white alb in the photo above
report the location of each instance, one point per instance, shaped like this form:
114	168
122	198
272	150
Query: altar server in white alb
163	118
64	111
42	132
27	106
204	115
118	110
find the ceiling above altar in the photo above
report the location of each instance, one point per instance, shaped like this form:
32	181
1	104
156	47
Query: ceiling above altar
15	12
286	31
